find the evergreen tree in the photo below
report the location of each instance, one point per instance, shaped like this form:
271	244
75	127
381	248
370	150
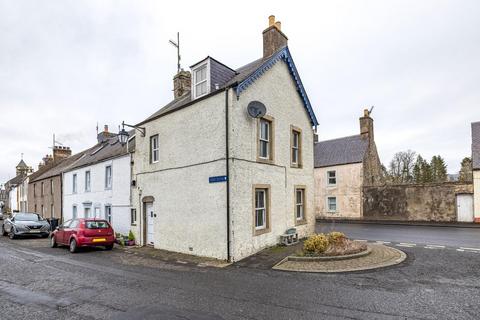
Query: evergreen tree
417	170
439	169
466	174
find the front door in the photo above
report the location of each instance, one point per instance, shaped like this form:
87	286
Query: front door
149	217
465	207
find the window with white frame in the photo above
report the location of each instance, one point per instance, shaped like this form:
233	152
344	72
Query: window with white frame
332	204
265	139
200	81
96	212
261	208
133	216
87	212
154	149
295	148
87	181
74	212
74	183
299	204
331	178
108	177
108	213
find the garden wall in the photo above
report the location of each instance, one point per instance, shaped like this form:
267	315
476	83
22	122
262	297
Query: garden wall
416	202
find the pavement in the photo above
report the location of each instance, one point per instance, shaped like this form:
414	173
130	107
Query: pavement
38	282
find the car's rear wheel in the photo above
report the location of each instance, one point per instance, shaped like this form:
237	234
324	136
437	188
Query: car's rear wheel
73	246
11	234
109	247
53	242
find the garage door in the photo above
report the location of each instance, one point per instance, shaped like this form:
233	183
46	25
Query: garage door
465	207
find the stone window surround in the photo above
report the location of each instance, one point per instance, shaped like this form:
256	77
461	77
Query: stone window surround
304	219
108	183
89	180
271	158
74	183
294	129
257	232
334	177
328	207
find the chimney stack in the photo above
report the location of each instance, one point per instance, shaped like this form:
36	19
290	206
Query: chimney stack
105	134
366	125
181	83
60	153
273	38
47	159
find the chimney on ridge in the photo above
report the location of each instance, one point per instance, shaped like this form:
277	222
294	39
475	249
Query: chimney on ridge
366	125
105	134
181	83
273	38
60	153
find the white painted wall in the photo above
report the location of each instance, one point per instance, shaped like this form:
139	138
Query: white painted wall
476	195
118	197
348	191
13	199
190	212
278	92
22	195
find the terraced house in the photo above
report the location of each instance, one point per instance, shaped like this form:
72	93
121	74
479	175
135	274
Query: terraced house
226	167
476	169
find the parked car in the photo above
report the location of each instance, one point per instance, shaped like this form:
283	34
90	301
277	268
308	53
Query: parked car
25	223
83	233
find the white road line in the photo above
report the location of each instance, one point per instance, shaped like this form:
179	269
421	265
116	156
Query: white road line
405	245
408	244
383	242
434	246
461	250
466	248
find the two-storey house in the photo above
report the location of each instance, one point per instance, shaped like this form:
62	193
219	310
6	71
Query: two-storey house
476	169
226	168
98	184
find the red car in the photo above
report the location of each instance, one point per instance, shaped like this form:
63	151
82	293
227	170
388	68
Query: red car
83	233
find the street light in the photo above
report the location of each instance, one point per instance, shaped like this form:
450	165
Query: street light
123	134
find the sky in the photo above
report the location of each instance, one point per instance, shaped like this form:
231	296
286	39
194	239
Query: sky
67	65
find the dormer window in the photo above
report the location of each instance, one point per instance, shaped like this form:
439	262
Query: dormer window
200	80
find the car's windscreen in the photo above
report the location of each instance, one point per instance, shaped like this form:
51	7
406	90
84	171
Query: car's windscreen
96	224
27	217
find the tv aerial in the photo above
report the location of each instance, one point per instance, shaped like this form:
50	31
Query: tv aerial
256	109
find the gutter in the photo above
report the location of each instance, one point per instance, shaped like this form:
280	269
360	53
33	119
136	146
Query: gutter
227	155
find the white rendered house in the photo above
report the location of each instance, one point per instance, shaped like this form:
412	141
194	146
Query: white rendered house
213	179
98	185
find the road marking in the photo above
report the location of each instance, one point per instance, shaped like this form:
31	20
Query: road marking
434	246
408	244
466	248
461	250
383	242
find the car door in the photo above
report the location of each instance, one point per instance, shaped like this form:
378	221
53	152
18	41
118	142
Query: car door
61	231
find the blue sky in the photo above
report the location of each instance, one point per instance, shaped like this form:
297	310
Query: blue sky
66	65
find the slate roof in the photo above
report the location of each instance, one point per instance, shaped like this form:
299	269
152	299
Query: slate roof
245	75
108	149
56	168
476	145
340	151
22	164
16	180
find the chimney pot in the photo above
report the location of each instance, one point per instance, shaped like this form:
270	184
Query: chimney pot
105	128
278	24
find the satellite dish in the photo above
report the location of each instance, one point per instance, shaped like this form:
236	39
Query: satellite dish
256	109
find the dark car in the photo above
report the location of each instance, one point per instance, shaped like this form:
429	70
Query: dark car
24	224
83	233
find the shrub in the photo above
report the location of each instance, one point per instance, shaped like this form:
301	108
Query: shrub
317	243
131	236
336	237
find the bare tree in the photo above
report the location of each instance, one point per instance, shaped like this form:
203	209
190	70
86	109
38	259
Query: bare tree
401	166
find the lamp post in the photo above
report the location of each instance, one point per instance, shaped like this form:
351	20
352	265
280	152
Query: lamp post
123	134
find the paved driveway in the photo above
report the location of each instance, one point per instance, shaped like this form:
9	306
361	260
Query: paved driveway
38	282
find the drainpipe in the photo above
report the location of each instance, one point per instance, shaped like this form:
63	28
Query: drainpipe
227	155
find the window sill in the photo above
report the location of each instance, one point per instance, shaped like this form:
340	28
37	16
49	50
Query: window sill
300	222
133	224
261	231
296	166
267	161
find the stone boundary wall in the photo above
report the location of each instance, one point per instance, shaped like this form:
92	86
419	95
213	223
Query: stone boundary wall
413	202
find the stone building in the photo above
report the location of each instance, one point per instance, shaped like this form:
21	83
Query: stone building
213	179
343	167
476	169
15	188
45	184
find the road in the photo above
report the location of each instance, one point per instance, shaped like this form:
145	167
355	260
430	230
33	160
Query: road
38	282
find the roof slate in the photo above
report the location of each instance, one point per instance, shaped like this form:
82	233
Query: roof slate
476	145
340	151
16	180
226	78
